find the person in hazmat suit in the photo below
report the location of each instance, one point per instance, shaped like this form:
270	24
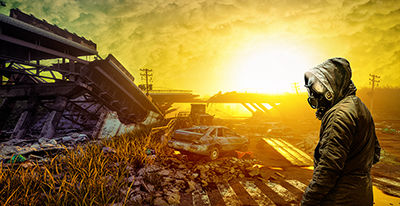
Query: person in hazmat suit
348	146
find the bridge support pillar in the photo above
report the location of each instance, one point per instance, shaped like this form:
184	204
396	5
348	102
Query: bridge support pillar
50	125
5	110
25	118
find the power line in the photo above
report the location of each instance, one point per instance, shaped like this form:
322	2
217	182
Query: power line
296	87
147	74
374	81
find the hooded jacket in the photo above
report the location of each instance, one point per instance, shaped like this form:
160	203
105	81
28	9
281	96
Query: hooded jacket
347	147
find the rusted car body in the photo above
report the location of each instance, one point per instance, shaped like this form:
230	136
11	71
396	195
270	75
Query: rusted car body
207	140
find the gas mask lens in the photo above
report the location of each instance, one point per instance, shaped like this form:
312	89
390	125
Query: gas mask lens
313	102
312	97
308	90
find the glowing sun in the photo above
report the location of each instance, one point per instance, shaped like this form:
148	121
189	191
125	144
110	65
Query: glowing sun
271	68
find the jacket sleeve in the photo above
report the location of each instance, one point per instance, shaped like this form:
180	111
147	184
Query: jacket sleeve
377	151
337	135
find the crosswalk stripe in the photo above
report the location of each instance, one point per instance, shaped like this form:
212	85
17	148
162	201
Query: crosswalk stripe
388	181
291	153
294	154
259	197
200	197
228	195
214	195
283	192
283	152
301	153
258	192
297	184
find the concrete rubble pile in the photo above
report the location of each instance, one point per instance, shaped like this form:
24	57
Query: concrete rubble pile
162	182
37	149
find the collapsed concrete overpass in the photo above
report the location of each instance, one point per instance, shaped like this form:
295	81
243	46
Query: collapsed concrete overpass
253	102
48	88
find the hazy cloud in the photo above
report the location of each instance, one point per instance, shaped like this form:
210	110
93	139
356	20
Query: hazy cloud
186	42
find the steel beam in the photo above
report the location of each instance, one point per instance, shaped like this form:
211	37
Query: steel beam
42	90
262	107
255	107
248	108
40	48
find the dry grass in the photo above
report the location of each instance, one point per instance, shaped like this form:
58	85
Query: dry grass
83	176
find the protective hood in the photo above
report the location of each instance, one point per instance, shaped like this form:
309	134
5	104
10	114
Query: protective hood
335	75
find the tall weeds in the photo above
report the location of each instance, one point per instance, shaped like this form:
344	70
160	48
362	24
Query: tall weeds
85	175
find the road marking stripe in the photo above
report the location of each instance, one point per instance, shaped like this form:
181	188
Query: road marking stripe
297	184
283	192
228	195
296	155
388	181
303	154
214	195
285	154
200	197
259	197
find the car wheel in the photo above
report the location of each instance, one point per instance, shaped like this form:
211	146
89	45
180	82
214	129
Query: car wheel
214	153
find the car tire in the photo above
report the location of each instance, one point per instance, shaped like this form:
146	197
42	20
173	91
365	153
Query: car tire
214	153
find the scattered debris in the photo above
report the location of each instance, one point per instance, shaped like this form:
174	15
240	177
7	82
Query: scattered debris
241	155
390	131
39	148
107	150
16	159
162	182
150	151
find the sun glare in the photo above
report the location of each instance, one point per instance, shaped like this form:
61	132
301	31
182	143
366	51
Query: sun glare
271	68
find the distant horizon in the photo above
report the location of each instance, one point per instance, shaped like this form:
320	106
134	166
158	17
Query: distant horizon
289	93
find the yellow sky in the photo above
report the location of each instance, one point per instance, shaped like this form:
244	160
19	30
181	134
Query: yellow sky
246	45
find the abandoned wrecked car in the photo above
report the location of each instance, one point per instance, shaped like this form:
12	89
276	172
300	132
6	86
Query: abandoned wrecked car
207	140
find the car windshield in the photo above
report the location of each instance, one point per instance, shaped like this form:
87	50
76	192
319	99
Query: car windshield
230	133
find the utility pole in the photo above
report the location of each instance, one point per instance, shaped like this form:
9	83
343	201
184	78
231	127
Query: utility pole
147	74
296	87
374	79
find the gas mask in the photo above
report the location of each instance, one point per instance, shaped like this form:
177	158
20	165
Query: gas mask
318	96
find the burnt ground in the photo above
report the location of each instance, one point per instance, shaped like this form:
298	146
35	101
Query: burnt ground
269	178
